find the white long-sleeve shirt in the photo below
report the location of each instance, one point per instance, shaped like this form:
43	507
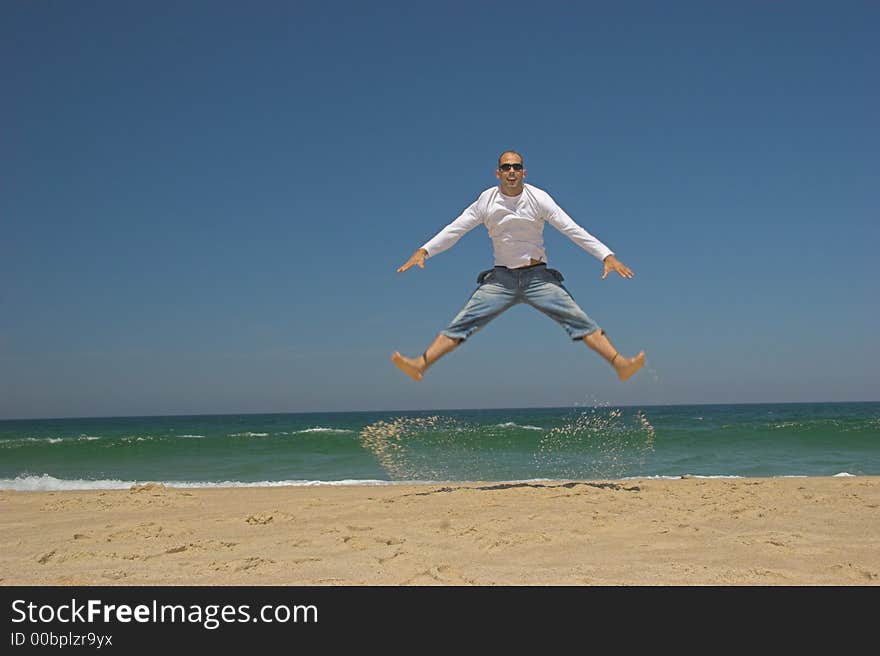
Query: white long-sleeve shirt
516	227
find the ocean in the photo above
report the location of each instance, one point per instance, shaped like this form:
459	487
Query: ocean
525	444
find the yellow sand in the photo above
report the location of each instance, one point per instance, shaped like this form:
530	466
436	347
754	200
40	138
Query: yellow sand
789	531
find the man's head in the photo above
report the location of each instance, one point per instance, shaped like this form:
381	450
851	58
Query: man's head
510	173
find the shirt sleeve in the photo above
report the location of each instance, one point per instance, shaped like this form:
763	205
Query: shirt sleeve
446	238
566	225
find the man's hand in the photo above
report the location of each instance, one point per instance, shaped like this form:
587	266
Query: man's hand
417	258
613	264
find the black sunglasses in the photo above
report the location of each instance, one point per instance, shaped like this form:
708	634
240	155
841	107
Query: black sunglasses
515	167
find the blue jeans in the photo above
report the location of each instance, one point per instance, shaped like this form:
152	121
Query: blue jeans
502	288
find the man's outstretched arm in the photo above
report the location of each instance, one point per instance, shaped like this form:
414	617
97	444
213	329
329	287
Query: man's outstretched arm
567	226
446	238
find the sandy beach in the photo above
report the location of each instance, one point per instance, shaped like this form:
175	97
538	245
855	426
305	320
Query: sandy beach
692	531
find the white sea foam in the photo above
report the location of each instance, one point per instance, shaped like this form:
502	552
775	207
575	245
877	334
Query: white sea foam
711	476
50	440
316	429
46	483
321	429
667	477
192	436
137	438
684	476
511	424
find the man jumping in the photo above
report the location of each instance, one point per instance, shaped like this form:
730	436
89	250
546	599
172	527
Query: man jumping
514	213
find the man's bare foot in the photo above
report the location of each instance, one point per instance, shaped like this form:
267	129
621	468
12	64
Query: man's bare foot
412	367
626	367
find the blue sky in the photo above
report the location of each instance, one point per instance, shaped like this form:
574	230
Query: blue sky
204	203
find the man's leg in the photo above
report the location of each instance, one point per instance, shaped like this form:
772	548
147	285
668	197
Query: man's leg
415	367
546	293
625	367
494	295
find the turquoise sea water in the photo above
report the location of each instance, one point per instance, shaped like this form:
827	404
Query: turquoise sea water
603	442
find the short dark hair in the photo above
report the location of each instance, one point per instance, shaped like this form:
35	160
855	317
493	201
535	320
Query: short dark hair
509	152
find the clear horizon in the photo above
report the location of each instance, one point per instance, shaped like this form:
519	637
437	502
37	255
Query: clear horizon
474	409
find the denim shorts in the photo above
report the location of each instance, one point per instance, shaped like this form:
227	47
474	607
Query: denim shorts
502	288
